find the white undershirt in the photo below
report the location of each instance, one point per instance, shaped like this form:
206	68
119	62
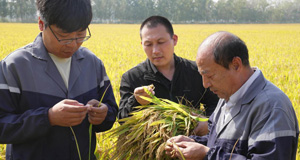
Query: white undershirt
63	65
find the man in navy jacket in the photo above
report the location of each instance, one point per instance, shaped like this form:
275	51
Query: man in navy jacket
253	120
53	84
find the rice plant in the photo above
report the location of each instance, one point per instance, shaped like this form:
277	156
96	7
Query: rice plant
143	135
274	48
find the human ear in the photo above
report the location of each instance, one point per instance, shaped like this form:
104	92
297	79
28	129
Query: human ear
236	63
175	39
41	24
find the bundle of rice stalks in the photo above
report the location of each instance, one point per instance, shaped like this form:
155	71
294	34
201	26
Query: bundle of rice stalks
144	134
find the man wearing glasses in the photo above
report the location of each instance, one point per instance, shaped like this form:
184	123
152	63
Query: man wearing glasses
53	84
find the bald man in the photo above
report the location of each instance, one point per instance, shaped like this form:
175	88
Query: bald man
253	119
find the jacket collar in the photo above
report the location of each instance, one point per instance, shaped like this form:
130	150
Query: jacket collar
154	69
40	52
258	84
254	89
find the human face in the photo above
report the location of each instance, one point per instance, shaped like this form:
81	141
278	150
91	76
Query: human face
219	80
68	41
159	46
55	47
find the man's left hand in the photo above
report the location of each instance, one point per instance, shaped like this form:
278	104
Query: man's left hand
96	115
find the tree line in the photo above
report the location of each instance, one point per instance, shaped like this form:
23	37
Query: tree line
178	11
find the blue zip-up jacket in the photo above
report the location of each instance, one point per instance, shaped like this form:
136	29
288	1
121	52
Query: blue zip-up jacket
30	84
262	125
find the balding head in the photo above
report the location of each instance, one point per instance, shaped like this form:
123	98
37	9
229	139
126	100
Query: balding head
222	60
223	47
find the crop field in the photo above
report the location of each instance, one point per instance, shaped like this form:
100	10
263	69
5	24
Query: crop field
274	48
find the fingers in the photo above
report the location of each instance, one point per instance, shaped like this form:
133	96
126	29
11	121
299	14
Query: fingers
70	106
169	150
182	144
140	91
67	113
168	147
97	115
71	102
93	103
74	109
71	112
180	138
173	149
103	108
175	145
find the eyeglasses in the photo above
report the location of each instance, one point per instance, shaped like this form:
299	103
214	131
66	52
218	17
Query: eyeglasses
68	41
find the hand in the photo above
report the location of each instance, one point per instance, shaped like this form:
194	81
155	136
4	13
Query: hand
96	115
169	148
180	138
201	128
188	150
67	113
139	91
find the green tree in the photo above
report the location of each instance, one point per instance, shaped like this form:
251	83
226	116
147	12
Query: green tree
178	11
3	10
103	11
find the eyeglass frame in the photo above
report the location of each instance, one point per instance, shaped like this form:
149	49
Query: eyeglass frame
68	41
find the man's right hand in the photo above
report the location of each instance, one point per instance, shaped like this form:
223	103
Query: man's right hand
179	146
67	113
139	91
170	148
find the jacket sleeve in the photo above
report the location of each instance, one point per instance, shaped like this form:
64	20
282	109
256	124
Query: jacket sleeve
273	137
106	91
127	101
276	149
17	126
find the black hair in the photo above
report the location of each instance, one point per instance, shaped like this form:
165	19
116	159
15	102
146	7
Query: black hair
153	21
227	47
68	15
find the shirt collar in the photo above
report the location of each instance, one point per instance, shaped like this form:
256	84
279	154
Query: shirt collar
154	69
240	93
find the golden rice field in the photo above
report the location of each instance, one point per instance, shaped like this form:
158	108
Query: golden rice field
274	48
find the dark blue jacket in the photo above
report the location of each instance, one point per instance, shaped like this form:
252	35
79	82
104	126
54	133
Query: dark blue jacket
30	84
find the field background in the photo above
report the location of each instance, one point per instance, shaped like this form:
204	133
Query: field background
274	48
